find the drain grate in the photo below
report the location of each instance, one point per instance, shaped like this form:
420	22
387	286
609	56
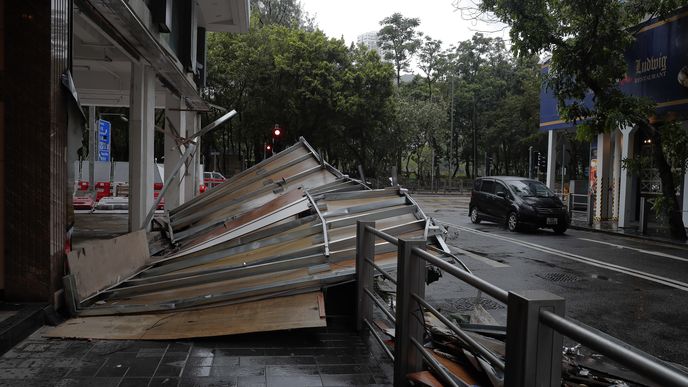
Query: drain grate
559	277
466	304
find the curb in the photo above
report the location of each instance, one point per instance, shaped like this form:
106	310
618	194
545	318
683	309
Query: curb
638	237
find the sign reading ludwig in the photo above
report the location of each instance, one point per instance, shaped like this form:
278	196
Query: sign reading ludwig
657	68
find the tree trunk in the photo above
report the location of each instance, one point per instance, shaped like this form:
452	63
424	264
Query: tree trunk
673	211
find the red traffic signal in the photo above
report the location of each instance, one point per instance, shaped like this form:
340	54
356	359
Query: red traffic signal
268	147
276	132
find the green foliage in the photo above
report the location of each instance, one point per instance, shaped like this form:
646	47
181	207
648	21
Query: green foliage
497	98
399	40
313	86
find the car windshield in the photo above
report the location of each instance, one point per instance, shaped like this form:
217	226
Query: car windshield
530	188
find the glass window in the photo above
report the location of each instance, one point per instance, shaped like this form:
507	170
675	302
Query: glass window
530	188
488	186
499	187
476	184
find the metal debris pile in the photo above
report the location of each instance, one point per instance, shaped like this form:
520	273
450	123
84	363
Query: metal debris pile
281	229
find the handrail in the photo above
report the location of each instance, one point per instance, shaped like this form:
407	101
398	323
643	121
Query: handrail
380	305
459	332
477	282
387	276
379	339
641	364
383	235
434	363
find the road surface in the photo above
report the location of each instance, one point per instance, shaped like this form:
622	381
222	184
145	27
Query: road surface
634	290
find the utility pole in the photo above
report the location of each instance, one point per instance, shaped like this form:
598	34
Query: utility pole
451	133
475	145
530	162
432	172
563	169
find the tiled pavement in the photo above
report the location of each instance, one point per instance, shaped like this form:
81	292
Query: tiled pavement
313	357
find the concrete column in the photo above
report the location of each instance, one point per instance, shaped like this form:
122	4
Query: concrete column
615	182
173	113
193	176
552	159
626	189
603	176
141	129
92	149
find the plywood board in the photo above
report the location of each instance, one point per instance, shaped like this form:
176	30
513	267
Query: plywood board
103	263
290	312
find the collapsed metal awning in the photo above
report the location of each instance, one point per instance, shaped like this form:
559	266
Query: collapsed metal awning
282	228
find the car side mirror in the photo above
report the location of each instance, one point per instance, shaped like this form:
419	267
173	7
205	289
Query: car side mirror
501	194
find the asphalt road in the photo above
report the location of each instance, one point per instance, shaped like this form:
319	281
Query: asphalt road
634	290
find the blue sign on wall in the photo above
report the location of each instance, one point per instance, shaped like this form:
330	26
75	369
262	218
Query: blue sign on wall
103	140
657	68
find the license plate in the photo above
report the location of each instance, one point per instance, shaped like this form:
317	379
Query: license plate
552	221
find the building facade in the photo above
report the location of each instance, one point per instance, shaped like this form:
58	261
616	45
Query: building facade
59	61
657	69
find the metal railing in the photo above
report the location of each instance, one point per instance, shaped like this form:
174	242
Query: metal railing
534	329
575	204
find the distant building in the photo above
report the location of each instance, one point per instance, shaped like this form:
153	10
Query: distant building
370	40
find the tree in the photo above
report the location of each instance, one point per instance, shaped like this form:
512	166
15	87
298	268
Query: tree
431	60
399	40
288	13
587	41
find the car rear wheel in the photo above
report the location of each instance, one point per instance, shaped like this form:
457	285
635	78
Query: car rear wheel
474	215
559	230
512	221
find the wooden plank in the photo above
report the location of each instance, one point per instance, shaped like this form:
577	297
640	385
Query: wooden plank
321	305
291	312
101	264
424	378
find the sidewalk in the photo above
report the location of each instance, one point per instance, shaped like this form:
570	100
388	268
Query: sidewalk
333	356
611	228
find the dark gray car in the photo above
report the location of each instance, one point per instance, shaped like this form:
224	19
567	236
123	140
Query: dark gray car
517	202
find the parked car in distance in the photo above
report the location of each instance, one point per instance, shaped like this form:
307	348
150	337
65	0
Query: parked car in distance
517	202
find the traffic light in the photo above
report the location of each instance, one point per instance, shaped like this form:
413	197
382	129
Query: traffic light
542	162
268	147
276	132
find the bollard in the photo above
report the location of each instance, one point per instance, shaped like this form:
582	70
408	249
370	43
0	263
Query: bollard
590	209
410	280
642	228
533	350
365	248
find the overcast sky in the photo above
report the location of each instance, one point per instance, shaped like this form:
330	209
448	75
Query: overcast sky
354	17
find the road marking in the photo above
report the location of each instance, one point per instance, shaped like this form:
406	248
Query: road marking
479	257
657	253
578	258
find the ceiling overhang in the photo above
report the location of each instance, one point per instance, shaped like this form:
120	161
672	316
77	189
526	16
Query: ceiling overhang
120	17
225	15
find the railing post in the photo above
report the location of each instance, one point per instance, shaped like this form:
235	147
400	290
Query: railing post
533	350
642	224
365	248
410	279
571	201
